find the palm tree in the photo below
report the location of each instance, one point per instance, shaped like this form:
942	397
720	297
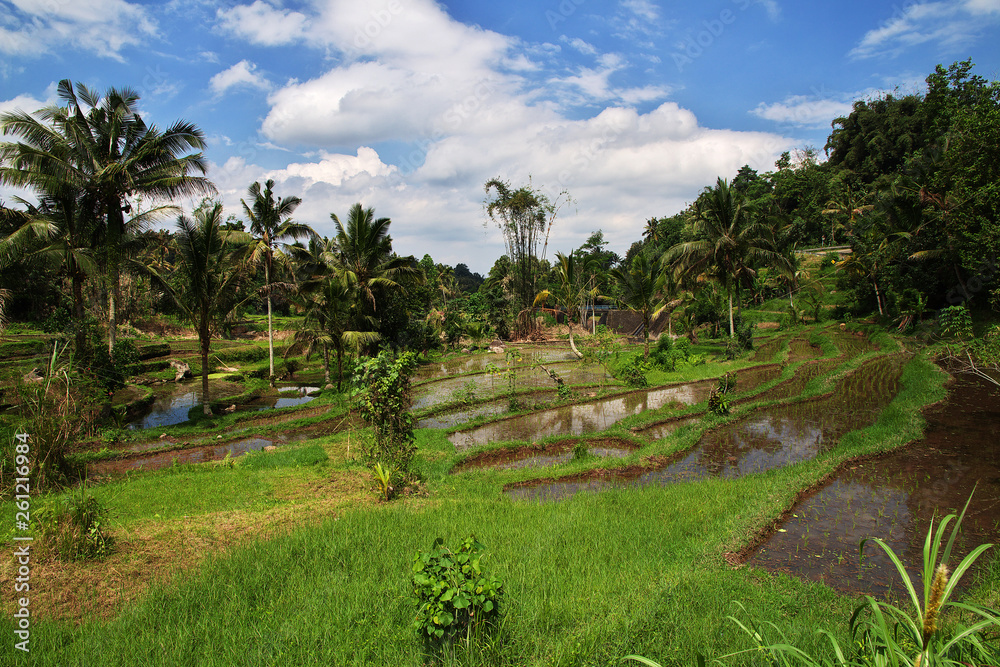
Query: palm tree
638	292
271	224
849	204
328	302
730	240
208	266
98	153
366	260
570	292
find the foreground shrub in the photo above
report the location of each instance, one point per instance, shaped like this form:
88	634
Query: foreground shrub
73	528
383	401
454	596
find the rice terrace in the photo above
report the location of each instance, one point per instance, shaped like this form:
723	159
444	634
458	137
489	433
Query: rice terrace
767	432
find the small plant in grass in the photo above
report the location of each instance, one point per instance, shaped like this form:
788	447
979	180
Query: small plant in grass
718	400
580	451
383	479
465	394
455	597
73	528
885	635
604	351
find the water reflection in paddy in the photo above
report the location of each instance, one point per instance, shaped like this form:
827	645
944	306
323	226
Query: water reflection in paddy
190	455
584	417
894	497
766	439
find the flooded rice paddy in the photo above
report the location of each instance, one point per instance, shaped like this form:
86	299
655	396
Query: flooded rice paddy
766	439
172	403
159	460
893	497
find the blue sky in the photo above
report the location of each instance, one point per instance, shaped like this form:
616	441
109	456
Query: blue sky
409	106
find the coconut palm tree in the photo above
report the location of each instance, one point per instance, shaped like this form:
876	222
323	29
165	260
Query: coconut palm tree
570	292
327	300
98	151
271	224
730	241
366	260
638	292
209	270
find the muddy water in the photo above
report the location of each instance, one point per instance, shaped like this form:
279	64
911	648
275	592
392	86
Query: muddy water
490	409
895	496
191	455
582	418
171	405
486	385
764	440
803	375
746	381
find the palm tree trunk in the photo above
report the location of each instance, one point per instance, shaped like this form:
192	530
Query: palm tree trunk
112	317
326	365
732	332
81	340
645	334
270	333
572	345
340	367
206	342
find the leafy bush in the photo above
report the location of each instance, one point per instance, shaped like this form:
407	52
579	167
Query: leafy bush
664	355
682	346
452	592
72	527
718	400
633	374
955	322
384	402
60	321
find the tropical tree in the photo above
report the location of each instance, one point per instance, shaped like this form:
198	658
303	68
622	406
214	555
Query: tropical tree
366	261
328	302
271	224
570	292
209	269
521	214
97	156
637	291
730	241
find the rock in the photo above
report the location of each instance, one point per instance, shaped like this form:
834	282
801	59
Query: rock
183	370
33	376
497	349
231	408
328	387
269	448
218	437
163	436
465	350
843	327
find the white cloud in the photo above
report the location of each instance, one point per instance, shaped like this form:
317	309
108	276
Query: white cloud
460	97
26	103
949	24
583	47
644	9
104	27
260	23
803	110
772	7
244	73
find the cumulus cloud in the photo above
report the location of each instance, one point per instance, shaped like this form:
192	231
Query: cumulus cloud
948	24
260	23
803	110
104	27
242	74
